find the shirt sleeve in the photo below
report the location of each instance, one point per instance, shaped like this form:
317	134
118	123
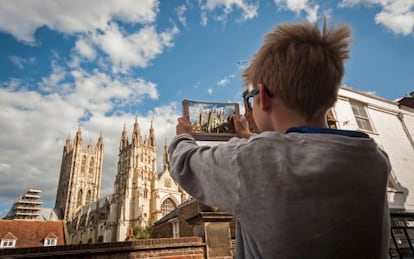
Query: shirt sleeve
209	173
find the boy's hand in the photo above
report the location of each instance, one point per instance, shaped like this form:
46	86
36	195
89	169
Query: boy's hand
184	126
242	126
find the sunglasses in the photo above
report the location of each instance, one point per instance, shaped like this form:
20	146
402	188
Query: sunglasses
251	94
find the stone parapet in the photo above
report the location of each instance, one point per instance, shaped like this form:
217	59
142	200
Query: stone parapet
162	248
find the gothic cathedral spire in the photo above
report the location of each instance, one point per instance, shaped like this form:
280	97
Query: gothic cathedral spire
78	138
136	134
151	140
124	139
166	158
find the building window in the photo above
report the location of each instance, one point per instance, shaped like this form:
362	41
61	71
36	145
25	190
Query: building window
8	243
88	197
167	206
50	242
361	116
330	118
79	201
402	235
91	168
83	166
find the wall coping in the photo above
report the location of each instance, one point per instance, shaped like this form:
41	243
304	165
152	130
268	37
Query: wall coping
113	247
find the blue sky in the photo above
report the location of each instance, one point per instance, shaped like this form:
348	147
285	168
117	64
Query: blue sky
98	64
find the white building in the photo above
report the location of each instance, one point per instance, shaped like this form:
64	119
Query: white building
391	124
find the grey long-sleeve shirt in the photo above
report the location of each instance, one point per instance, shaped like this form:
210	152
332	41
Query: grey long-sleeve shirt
294	195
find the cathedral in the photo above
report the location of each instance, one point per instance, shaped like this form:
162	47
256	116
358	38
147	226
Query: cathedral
140	197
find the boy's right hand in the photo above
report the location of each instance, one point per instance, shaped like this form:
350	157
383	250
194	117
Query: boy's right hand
184	126
242	126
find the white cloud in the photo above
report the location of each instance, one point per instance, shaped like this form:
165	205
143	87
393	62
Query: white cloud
22	18
299	6
249	11
51	83
100	93
136	49
223	82
196	85
92	23
226	80
180	13
20	62
203	19
210	90
85	49
34	127
396	15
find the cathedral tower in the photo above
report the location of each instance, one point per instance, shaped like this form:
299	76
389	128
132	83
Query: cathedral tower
132	188
80	176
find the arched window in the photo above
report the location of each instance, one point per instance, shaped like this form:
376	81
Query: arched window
83	165
167	206
88	197
91	167
79	201
145	193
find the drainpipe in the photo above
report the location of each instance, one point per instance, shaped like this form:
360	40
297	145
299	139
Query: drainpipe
400	116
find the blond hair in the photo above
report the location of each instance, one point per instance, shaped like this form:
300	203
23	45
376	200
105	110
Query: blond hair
301	65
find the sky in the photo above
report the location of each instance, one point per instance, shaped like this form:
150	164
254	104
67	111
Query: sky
98	65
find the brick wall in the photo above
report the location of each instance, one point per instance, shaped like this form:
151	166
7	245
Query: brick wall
162	248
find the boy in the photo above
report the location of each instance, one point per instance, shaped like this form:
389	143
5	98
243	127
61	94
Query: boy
298	189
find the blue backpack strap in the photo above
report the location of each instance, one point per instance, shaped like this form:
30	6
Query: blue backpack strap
319	130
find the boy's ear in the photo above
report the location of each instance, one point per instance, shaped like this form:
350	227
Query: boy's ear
264	98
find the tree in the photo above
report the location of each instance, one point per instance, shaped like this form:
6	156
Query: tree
142	232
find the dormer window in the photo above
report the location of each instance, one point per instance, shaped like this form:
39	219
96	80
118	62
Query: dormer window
50	242
8	243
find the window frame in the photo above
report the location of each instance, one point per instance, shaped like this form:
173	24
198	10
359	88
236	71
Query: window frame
167	206
50	242
364	117
8	243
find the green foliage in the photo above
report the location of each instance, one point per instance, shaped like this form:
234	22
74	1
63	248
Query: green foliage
142	232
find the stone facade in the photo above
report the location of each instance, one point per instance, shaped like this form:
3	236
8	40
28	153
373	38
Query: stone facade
211	120
80	176
141	194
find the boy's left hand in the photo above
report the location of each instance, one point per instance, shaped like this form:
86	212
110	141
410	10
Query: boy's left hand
184	126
